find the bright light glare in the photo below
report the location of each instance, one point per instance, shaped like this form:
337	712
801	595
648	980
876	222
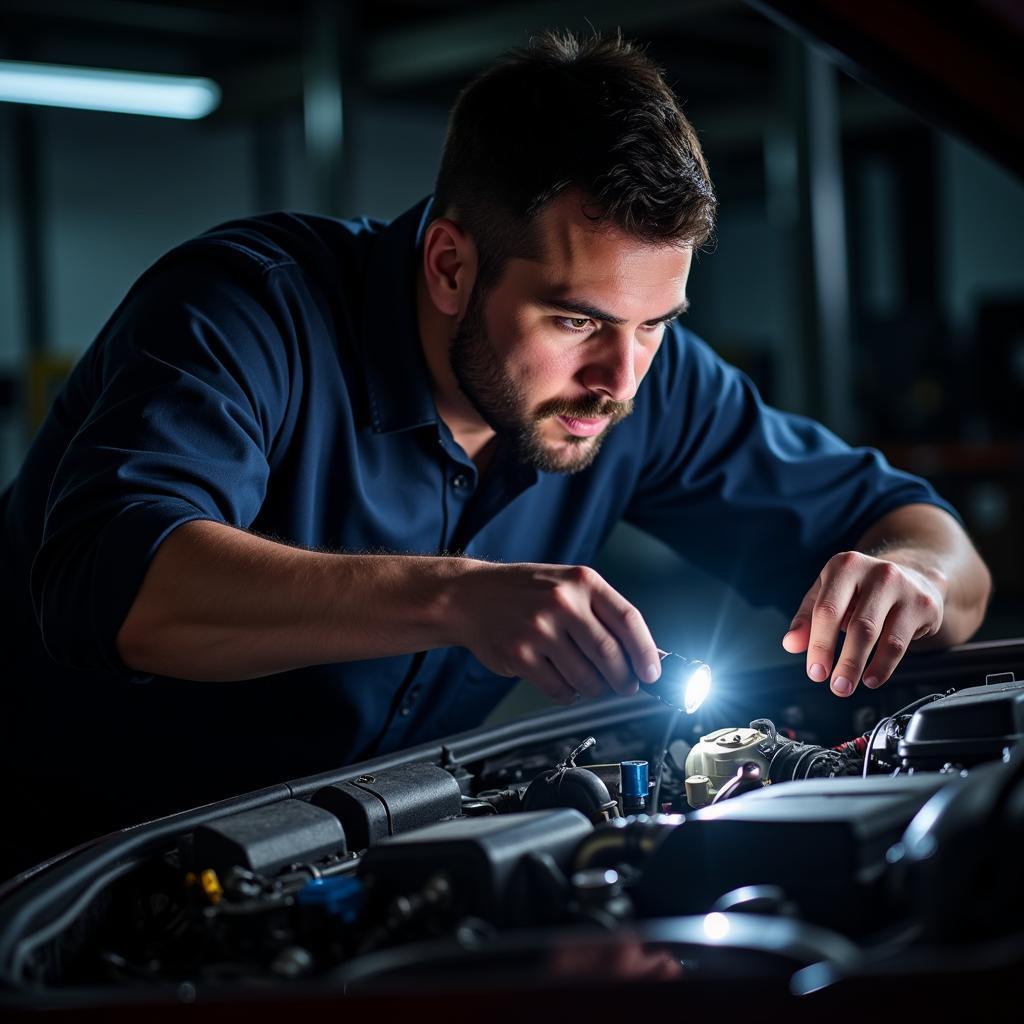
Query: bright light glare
698	686
123	92
716	926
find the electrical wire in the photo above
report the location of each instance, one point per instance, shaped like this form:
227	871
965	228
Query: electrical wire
673	763
663	747
871	744
909	709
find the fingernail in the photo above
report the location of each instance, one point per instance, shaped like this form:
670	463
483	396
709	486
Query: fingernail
652	672
841	686
818	673
870	681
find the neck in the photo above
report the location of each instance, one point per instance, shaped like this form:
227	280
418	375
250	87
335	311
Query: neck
436	331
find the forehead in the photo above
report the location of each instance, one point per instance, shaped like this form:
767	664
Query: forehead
598	262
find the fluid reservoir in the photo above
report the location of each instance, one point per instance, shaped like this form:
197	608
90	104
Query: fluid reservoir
718	755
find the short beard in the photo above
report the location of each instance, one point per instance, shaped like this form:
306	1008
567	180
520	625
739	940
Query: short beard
501	403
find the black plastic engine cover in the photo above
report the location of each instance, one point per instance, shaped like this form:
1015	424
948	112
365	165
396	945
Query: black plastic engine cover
266	839
968	727
388	803
479	855
823	842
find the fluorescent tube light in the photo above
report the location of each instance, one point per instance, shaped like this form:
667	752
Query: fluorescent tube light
124	92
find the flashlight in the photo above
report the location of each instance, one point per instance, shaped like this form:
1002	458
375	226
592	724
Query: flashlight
684	682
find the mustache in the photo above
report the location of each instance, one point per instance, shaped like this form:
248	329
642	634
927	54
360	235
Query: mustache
592	407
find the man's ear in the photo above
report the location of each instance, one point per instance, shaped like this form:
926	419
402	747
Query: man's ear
449	266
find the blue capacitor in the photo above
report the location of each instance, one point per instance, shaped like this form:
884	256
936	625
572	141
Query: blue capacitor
633	786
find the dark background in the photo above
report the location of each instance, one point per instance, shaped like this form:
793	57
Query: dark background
869	267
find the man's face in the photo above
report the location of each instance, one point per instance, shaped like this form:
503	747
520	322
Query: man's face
553	354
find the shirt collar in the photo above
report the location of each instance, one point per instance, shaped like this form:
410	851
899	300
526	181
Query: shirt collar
397	378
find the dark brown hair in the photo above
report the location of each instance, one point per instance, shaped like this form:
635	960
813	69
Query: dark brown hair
565	111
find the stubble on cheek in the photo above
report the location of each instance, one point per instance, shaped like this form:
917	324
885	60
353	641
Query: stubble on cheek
502	400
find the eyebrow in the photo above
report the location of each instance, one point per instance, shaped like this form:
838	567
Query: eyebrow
592	312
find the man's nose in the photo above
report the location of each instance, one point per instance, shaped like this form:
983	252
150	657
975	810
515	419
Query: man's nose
610	369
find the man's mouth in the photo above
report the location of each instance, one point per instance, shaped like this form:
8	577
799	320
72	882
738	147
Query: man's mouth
583	427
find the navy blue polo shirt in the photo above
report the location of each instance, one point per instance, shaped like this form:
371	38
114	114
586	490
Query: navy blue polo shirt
269	375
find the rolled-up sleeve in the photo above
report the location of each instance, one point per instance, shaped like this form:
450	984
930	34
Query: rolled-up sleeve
758	497
193	380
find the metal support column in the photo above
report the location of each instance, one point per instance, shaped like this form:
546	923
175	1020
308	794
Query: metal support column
824	275
28	215
326	104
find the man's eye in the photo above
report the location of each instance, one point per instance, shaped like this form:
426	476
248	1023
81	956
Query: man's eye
574	324
660	325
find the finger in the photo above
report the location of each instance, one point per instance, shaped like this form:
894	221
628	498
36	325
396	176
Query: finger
838	590
604	654
539	672
863	628
577	669
799	633
897	632
629	630
882	590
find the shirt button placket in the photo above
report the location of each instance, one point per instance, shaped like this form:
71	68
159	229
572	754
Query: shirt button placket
411	698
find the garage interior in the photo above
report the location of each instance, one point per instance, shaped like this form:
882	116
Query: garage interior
912	342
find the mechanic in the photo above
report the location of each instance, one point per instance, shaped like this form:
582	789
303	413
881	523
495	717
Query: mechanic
322	489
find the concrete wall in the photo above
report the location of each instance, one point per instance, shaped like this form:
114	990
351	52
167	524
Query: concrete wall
118	191
982	255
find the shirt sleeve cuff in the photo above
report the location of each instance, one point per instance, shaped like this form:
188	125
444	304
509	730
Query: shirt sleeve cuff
84	590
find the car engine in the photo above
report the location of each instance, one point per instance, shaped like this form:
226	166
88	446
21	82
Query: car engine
615	842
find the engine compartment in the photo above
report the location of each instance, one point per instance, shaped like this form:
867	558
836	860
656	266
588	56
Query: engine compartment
620	842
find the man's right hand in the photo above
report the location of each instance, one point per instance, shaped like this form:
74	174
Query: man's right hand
561	628
219	603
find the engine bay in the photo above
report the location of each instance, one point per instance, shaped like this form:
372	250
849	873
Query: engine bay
624	841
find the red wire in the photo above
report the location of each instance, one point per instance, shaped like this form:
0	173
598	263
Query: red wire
855	746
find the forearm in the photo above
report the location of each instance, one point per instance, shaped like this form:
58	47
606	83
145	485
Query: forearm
930	541
218	603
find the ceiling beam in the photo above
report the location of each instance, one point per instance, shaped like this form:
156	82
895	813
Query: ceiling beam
157	18
457	46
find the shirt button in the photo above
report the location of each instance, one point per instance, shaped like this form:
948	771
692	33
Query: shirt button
415	692
460	481
405	710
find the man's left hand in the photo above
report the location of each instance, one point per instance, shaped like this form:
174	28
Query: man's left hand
880	604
